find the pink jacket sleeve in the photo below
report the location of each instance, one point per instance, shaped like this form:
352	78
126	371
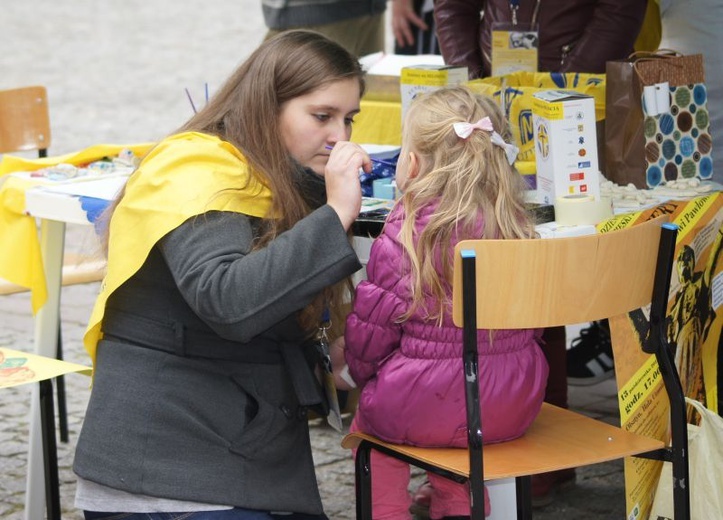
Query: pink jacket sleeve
372	332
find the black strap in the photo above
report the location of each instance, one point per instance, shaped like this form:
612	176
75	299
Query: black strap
175	338
307	387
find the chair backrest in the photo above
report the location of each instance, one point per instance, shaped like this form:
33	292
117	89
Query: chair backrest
508	284
560	281
24	120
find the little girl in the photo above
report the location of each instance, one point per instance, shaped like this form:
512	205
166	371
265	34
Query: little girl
402	348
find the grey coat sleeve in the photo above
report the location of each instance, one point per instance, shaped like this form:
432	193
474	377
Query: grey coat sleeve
240	293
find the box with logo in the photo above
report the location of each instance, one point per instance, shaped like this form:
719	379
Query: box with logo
565	145
424	78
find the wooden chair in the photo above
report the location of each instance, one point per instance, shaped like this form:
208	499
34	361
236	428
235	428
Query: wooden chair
24	120
507	284
25	126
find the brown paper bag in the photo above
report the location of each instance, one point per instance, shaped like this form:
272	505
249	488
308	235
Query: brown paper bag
626	116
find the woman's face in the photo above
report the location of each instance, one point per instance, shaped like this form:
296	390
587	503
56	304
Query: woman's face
311	122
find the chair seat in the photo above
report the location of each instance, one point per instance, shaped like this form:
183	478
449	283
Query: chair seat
558	439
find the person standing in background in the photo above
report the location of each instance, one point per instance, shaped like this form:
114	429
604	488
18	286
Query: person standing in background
357	25
413	27
574	36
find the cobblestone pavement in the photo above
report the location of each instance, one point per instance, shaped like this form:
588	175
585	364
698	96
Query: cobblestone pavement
116	71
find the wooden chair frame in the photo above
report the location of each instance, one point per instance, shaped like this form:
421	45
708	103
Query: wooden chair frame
544	283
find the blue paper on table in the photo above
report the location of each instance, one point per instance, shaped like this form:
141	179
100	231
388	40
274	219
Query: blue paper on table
94	208
379	170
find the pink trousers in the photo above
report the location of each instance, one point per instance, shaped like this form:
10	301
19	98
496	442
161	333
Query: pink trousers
390	491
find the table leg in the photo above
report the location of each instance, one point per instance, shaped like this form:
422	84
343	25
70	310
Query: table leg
50	450
52	242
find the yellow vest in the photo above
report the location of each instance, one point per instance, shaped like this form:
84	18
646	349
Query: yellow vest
183	176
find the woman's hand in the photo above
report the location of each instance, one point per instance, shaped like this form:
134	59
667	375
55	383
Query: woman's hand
343	190
403	17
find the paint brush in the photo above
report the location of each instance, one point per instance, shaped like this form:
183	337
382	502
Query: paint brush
378	161
190	100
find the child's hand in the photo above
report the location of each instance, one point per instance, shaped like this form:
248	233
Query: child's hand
339	366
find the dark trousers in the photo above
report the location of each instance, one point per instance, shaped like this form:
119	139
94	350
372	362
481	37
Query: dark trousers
555	349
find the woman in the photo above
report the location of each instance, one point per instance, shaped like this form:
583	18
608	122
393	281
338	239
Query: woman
226	247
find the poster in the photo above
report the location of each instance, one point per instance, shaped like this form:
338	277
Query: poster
695	320
17	368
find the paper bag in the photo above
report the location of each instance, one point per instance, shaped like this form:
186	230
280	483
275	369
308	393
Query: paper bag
705	462
648	143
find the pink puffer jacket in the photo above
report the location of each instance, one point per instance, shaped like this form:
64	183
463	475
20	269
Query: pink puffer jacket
411	372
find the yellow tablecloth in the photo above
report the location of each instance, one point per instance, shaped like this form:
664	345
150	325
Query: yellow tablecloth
379	122
21	262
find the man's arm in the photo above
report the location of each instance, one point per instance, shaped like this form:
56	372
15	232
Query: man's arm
458	27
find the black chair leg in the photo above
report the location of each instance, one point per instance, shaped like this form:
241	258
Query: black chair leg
523	492
50	450
363	474
60	388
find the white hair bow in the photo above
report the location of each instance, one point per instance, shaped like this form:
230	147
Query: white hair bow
465	129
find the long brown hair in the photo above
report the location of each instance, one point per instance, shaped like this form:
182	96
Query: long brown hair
245	112
471	179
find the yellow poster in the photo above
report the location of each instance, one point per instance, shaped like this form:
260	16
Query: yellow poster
693	329
18	368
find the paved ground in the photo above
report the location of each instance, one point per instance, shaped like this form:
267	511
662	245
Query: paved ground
116	72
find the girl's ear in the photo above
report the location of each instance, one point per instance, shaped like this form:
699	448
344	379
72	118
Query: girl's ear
414	166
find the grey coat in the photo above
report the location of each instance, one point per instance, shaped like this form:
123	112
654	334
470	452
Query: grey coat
200	390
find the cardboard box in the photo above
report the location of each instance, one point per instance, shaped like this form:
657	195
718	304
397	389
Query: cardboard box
382	87
384	70
424	78
565	145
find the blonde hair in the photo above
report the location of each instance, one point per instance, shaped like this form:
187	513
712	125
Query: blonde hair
479	194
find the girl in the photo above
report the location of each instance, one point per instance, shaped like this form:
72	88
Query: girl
402	347
229	241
